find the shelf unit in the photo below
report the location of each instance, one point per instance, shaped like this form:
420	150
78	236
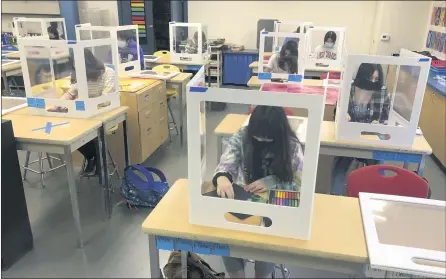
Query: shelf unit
216	65
436	30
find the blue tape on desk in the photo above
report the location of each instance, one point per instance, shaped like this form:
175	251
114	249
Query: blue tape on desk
80	105
410	158
164	243
264	75
198	89
423	60
220	250
48	127
193	67
395	156
40	103
31	102
295	78
202	248
265	32
184	244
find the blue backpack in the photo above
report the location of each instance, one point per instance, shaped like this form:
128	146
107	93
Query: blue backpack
139	188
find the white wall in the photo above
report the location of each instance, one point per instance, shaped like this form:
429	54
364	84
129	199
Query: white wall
102	13
237	20
405	21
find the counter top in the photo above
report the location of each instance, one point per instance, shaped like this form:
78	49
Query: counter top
440	88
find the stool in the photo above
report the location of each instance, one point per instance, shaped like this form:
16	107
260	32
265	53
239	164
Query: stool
285	273
40	161
171	95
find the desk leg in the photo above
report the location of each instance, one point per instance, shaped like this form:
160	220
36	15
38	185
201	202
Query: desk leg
73	194
209	75
154	259
5	82
184	264
126	142
219	148
180	98
102	140
420	169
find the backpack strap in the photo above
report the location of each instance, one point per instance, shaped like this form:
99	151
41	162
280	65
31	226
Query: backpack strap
159	173
136	179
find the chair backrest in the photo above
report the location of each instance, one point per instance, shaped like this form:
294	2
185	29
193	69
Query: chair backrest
371	179
162	53
166	67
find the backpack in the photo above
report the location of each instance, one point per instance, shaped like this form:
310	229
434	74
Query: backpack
196	267
139	188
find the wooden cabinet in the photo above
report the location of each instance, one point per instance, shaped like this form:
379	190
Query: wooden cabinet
433	122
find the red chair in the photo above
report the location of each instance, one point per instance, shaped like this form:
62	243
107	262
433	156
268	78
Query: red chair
370	179
332	75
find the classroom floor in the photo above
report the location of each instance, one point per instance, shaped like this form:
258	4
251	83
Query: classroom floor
117	248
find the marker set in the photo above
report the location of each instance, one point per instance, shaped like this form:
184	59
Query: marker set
284	198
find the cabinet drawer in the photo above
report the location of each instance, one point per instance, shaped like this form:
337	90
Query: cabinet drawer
148	115
150	140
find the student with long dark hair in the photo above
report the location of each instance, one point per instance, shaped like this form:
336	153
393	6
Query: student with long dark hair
328	50
127	47
286	61
369	103
266	154
100	81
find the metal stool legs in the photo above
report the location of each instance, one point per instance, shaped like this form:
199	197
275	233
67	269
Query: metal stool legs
284	271
111	163
173	121
41	170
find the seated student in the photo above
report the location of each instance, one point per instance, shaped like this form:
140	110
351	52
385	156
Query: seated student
192	44
53	33
327	51
286	61
369	103
287	39
100	80
265	154
127	47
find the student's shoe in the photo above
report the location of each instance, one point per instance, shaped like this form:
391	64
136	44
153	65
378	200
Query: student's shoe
90	168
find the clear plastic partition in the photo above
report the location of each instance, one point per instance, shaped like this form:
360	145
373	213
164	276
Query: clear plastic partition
381	98
28	29
406	224
299	27
56	30
127	45
188	42
285	60
325	47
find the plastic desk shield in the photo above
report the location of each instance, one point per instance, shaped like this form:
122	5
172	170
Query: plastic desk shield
281	208
129	51
78	82
42	28
290	27
405	234
281	64
320	55
10	104
163	75
384	94
188	42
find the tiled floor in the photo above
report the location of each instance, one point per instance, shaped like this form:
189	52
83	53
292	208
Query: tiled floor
118	248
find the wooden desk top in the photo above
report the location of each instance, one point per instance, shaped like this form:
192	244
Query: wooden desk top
337	231
255	83
23	126
180	78
167	60
12	66
12	55
233	122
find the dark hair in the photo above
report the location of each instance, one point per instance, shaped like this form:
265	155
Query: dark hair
53	30
93	67
330	35
365	73
272	123
298	30
126	35
203	37
291	59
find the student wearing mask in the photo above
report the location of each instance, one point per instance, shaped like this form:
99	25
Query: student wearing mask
100	81
192	44
266	154
328	50
127	47
284	62
369	103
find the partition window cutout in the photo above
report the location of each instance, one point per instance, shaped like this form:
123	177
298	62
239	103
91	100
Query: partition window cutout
29	28
292	26
261	162
49	70
127	45
56	30
188	38
404	224
325	46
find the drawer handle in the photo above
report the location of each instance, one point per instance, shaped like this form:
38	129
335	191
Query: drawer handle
148	130
146	97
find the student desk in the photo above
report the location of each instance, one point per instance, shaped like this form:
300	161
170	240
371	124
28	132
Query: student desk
309	72
10	68
336	244
183	65
109	120
62	139
330	146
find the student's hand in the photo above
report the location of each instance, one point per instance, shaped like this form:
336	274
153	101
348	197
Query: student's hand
256	187
348	117
224	187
